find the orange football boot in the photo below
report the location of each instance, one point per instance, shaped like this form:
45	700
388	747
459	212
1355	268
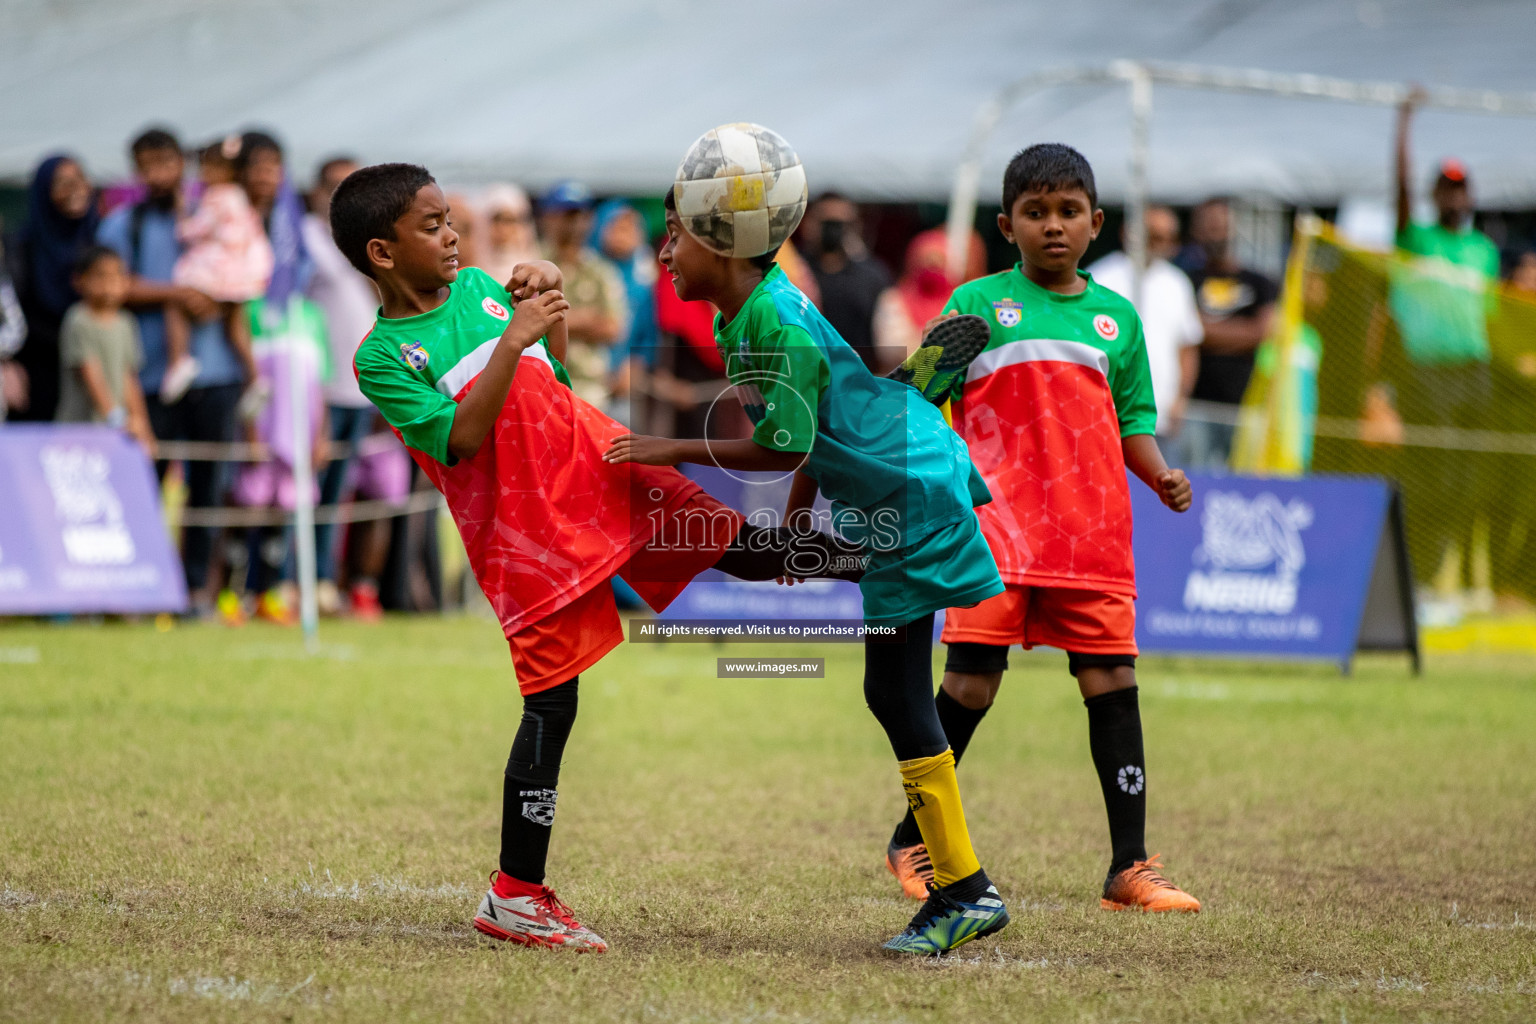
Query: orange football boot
1143	887
273	606
228	607
912	868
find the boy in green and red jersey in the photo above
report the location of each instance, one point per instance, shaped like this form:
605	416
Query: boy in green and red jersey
1055	409
467	372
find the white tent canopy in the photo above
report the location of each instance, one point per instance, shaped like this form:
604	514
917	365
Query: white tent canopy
877	95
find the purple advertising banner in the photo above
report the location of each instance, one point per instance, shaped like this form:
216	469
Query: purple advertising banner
80	525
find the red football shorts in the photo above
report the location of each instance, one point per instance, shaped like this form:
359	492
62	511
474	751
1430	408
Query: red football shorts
574	637
1082	621
566	642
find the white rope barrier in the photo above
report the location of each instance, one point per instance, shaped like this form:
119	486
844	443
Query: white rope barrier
351	512
344	512
240	451
1345	428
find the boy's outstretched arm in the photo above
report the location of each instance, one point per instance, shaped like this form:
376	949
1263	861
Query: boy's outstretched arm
742	453
802	495
1145	459
475	416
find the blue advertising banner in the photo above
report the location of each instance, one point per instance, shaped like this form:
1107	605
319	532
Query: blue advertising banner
81	529
1267	567
1274	568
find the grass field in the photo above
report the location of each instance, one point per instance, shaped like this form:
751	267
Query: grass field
203	825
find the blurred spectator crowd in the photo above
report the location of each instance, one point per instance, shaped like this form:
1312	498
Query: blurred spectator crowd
180	307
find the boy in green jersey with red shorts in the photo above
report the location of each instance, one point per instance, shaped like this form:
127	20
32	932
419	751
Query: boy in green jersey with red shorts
1054	410
900	482
467	372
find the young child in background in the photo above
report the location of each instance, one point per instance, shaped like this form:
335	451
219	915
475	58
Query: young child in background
99	350
229	259
1055	410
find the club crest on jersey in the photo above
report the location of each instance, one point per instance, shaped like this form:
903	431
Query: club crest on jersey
1106	326
414	355
743	358
1008	312
495	308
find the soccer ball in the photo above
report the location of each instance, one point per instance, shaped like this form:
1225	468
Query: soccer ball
740	190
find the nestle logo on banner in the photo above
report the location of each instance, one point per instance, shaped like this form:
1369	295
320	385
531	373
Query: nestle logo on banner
1251	554
89	511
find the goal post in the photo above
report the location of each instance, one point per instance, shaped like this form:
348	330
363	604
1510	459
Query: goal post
1140	79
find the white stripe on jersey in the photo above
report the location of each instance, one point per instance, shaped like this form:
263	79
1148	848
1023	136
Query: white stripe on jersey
1038	350
465	370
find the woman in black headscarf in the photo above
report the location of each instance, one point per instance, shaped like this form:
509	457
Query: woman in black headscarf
61	221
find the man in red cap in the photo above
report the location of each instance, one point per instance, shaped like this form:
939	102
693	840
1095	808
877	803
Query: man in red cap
1452	238
1440	299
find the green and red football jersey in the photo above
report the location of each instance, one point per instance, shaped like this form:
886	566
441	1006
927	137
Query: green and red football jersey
543	517
1043	409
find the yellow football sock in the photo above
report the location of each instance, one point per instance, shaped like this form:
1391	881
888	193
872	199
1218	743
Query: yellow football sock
934	796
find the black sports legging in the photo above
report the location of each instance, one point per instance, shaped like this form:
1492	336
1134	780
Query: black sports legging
898	686
542	734
766	553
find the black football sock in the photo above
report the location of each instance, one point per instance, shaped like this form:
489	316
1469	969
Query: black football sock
527	817
1114	737
533	773
959	721
970	888
959	724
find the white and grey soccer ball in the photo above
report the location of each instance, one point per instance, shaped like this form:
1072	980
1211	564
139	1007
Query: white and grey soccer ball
740	190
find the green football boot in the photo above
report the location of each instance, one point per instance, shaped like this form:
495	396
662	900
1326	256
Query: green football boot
943	356
945	922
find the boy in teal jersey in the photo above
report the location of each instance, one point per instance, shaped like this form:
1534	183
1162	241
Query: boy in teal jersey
898	478
1055	410
467	372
